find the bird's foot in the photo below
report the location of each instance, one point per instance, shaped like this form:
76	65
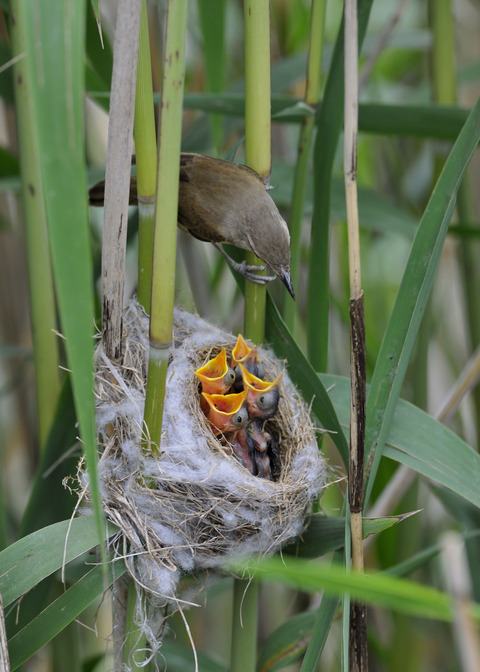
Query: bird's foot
249	271
252	272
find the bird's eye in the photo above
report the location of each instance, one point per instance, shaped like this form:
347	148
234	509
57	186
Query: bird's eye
266	401
229	377
240	418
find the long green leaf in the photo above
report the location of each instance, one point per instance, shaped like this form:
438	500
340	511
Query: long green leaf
388	591
56	52
413	294
287	643
61	612
323	534
420	442
443	122
423	121
330	121
49	501
29	560
304	376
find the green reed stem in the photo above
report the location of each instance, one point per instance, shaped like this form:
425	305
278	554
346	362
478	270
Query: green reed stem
135	641
146	162
212	15
258	157
165	234
146	159
244	626
257	136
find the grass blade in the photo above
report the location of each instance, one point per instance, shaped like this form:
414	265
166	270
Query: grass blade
388	591
61	612
29	560
414	291
421	442
323	535
55	35
304	376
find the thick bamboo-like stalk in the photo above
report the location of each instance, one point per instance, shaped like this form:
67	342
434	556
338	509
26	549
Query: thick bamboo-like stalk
358	660
117	175
257	135
244	626
258	157
42	293
146	160
165	236
312	92
133	644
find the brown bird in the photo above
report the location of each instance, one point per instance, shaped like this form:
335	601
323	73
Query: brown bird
224	202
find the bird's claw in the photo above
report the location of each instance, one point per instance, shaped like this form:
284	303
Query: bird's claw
252	273
249	271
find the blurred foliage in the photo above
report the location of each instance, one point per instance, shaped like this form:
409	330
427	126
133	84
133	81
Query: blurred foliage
405	138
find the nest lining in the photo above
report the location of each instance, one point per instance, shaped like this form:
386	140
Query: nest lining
201	505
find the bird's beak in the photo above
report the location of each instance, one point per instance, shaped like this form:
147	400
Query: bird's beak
287	281
240	352
216	377
226	412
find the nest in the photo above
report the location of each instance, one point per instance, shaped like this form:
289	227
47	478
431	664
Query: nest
194	505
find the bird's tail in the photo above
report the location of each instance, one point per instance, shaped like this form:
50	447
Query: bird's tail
96	195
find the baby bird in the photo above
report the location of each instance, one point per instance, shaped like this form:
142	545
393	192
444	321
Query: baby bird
243	449
255	449
262	396
226	413
216	376
243	354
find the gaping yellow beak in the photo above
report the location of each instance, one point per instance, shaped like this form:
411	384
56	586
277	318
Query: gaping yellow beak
226	413
216	376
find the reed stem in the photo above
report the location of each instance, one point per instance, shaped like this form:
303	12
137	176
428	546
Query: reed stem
258	157
358	659
165	233
257	136
146	160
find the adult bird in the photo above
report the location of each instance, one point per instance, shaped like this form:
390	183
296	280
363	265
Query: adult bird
224	202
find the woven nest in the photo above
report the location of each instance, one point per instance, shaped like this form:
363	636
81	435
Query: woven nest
195	505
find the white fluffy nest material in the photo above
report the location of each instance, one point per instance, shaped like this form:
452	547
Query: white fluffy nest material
195	505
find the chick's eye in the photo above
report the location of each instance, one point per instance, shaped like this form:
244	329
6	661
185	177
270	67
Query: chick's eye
240	418
266	401
230	376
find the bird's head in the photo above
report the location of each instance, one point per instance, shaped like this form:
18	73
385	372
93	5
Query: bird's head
269	238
